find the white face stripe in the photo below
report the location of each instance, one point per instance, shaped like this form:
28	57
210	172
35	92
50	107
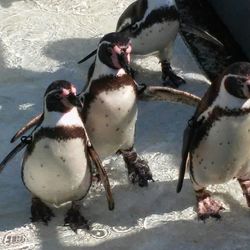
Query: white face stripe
126	22
235	76
51	92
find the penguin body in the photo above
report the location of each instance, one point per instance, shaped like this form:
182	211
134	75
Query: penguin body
215	142
56	166
223	154
111	116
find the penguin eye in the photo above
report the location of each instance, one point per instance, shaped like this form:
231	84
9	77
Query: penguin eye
57	96
109	51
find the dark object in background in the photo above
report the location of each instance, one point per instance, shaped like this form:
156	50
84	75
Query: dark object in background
212	59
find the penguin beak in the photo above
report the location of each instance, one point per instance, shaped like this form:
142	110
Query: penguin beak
75	100
123	60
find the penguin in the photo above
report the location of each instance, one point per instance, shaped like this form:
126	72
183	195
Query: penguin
110	105
217	137
56	166
152	26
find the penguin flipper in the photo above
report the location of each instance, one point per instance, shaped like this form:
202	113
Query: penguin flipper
200	33
103	175
33	122
155	93
11	155
189	137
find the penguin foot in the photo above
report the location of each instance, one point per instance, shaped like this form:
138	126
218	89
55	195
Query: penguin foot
207	207
173	82
140	173
75	220
138	169
169	77
40	211
245	186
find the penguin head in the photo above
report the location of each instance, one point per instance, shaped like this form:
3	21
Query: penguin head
114	51
236	80
61	96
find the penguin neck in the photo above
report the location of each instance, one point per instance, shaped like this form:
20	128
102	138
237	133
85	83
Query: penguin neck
56	119
102	70
227	102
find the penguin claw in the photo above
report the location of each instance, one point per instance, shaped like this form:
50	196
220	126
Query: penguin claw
208	207
40	212
75	220
138	169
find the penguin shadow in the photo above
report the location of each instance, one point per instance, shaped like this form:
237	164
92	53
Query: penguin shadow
134	204
68	52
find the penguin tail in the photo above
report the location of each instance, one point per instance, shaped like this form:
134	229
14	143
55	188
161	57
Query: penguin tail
200	33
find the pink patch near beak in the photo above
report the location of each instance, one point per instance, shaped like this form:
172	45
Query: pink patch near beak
65	92
73	90
116	51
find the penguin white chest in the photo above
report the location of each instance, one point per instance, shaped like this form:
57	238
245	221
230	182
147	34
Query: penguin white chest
57	171
111	120
155	38
224	153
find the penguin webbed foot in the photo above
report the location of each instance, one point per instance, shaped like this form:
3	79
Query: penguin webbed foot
140	173
138	169
40	211
75	220
169	77
207	207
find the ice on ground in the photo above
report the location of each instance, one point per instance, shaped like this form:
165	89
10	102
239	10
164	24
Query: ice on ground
41	41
